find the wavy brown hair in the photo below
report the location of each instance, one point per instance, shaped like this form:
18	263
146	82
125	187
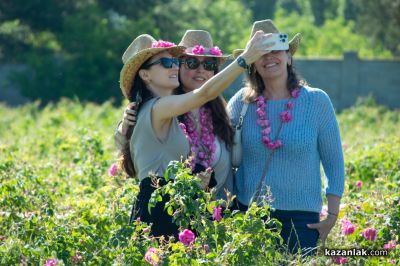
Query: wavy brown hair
255	84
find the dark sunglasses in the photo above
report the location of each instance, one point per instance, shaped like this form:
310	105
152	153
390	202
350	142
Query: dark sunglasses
166	62
194	63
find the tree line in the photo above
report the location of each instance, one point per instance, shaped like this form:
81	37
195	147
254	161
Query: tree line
74	48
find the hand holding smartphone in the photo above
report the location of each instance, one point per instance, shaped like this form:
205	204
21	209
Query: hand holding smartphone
280	40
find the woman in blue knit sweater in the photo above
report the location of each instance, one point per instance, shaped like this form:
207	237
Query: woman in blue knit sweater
288	130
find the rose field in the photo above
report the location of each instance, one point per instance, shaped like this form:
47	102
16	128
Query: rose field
62	202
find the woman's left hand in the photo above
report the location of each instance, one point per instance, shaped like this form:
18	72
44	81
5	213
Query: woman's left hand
324	227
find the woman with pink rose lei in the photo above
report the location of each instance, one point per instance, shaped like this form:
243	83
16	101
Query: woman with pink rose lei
287	131
149	77
208	127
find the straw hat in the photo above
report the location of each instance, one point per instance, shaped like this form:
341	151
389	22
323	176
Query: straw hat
138	52
267	26
200	43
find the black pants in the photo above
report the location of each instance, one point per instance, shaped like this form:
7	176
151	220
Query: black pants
295	233
161	220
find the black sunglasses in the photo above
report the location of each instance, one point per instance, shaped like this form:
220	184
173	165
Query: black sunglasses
194	63
166	62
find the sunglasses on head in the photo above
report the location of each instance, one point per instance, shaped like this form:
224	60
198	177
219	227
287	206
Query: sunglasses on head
209	64
166	62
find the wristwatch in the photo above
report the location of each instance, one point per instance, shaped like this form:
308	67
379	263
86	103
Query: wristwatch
242	63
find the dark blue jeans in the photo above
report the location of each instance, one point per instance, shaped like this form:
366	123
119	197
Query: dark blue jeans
295	233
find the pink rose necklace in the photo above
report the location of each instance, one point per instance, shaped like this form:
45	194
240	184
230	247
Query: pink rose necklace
202	147
264	122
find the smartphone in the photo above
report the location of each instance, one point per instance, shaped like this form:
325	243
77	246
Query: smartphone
280	40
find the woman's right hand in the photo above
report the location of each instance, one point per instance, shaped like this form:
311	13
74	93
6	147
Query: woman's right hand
129	118
257	46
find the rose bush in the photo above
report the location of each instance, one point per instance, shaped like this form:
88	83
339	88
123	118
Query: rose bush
63	202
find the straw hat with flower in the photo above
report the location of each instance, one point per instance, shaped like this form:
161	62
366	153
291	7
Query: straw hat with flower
267	26
139	51
200	43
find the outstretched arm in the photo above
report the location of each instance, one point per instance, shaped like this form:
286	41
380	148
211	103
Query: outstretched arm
174	105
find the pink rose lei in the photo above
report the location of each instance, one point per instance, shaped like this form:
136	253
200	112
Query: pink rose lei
264	122
162	44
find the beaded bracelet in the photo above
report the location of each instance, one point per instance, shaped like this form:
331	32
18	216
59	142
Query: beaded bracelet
330	213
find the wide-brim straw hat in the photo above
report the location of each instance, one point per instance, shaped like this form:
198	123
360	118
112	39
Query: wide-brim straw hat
139	51
267	26
200	43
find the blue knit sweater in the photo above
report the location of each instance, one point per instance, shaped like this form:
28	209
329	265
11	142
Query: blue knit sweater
294	173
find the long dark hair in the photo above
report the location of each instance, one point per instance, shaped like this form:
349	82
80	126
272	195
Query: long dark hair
139	94
221	122
255	84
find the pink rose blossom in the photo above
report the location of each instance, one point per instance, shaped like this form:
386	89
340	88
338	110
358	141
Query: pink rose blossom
215	51
217	213
77	258
162	44
390	245
51	262
187	237
113	170
348	227
359	184
152	256
198	49
339	260
370	233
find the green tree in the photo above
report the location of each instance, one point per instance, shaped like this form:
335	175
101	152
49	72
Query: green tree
379	20
80	55
332	39
261	9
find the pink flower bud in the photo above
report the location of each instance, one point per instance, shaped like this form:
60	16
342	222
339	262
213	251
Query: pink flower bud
359	184
113	170
217	213
370	234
